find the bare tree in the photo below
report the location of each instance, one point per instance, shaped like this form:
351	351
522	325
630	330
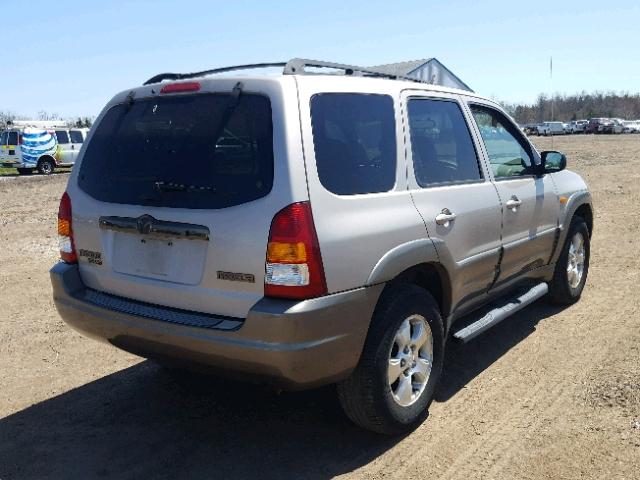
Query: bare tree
578	106
5	117
44	115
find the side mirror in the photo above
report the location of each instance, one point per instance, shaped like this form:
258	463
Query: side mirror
553	162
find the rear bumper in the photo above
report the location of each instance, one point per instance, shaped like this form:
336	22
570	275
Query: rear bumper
291	344
17	164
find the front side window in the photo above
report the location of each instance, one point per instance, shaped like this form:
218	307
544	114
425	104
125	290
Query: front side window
3	138
441	145
62	136
76	136
354	136
509	154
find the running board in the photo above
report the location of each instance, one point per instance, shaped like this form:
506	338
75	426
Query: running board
495	316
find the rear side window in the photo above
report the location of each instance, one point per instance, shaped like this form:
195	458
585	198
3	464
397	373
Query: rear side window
203	151
13	138
76	136
354	137
62	136
441	145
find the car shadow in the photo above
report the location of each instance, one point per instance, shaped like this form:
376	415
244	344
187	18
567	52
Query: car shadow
33	175
149	422
463	362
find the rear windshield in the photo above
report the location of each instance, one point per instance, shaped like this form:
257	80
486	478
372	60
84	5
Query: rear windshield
204	151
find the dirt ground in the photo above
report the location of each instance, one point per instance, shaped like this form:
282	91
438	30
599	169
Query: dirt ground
549	393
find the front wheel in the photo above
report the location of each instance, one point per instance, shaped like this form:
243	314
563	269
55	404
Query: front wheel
571	271
46	166
393	385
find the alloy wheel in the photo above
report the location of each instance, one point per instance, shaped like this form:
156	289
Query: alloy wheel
410	360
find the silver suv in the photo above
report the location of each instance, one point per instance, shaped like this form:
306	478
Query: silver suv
306	229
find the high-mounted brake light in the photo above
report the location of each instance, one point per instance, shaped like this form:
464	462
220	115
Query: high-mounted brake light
181	87
65	231
294	264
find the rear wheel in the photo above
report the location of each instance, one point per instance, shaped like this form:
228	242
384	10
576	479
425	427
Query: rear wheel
25	171
570	274
393	385
46	166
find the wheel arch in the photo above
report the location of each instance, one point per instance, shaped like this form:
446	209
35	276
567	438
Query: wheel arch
432	277
585	212
415	262
580	205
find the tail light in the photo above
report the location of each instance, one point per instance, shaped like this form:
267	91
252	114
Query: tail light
65	231
20	139
294	264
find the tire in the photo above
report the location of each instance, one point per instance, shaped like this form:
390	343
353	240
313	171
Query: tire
46	166
565	288
367	397
25	171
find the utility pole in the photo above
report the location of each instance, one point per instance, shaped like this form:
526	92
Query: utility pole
551	84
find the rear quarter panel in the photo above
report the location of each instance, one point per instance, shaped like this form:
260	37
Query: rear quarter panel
356	231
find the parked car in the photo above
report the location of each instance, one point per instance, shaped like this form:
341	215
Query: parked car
531	129
606	126
595	125
578	126
612	125
631	126
309	256
551	128
566	128
30	148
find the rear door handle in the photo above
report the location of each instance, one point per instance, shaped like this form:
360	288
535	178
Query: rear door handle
513	203
445	217
147	225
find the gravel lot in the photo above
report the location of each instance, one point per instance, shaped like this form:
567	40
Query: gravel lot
549	393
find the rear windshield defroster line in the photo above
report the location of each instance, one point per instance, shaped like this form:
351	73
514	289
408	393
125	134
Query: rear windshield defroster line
202	151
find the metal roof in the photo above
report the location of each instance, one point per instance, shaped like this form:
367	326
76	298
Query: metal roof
401	68
429	70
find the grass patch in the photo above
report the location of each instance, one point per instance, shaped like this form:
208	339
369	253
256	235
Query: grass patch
6	171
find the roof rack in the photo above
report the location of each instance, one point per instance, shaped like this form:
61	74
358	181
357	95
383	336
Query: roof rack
181	76
295	66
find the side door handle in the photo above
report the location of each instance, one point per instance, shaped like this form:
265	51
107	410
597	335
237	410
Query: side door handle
513	203
445	217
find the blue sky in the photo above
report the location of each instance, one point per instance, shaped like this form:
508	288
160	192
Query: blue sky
70	57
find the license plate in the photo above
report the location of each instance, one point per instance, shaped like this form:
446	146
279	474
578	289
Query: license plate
168	259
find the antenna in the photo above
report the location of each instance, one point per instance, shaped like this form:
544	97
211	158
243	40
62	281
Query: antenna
552	96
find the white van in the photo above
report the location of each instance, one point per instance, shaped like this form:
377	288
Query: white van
551	128
35	145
